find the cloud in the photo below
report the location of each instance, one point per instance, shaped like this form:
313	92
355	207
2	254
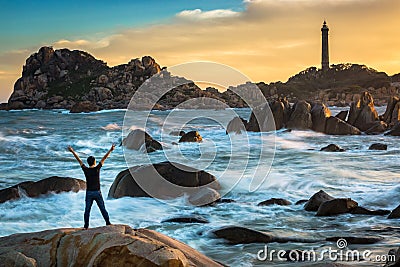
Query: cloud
83	44
198	14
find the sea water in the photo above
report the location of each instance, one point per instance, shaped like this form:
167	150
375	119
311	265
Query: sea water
33	147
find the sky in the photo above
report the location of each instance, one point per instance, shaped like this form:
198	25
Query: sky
266	40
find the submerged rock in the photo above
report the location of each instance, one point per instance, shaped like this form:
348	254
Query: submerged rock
130	181
275	201
332	148
52	184
115	245
365	211
187	219
378	146
241	235
336	206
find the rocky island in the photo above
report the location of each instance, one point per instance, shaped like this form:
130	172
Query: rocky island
75	80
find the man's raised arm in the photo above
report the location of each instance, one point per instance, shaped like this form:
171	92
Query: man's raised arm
75	155
107	154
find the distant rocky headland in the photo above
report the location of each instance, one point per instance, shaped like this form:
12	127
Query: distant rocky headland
75	80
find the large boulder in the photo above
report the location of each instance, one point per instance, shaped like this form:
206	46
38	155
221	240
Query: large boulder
378	146
319	115
137	138
316	200
115	245
275	201
241	235
390	108
52	184
269	117
192	136
257	117
336	206
301	116
332	148
362	112
236	125
336	126
365	211
281	111
158	178
186	219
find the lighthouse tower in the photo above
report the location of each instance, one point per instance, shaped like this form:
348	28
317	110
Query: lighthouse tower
325	48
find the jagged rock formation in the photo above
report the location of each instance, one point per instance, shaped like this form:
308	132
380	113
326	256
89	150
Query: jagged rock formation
303	115
75	80
63	78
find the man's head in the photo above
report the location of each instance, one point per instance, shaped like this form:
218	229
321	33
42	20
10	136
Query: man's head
91	161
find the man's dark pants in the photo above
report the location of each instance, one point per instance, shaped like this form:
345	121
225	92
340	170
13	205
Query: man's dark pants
95	196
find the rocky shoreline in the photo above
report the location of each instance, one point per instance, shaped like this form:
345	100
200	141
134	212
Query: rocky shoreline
76	81
361	118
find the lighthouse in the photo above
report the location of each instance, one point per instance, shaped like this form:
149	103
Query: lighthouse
325	48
